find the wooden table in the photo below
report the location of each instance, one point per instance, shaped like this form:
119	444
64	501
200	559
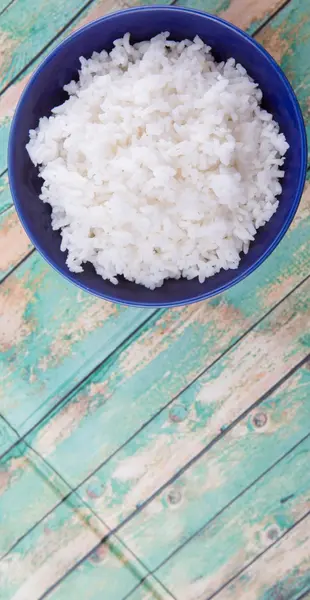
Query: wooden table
153	454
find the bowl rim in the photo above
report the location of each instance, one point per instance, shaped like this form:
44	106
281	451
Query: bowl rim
298	193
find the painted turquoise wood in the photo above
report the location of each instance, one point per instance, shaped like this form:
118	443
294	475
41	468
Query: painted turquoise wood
96	576
5	196
228	468
267	518
289	559
136	479
28	487
179	433
14	243
49	370
162	358
7	436
55	334
4	4
244	530
286	414
147	591
58	543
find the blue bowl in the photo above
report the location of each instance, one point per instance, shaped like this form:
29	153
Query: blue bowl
44	91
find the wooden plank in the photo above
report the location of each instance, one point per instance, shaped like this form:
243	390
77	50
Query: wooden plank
150	459
4	4
198	416
85	582
55	545
28	488
242	532
149	590
228	468
246	14
271	511
289	559
7	436
25	416
161	455
14	243
51	336
5	196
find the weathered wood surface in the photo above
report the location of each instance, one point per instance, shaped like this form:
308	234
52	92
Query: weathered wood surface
7	436
257	518
246	14
5	196
289	559
28	487
59	543
14	243
240	457
214	396
116	489
48	346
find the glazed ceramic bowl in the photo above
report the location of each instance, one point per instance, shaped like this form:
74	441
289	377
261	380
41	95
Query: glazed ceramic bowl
44	91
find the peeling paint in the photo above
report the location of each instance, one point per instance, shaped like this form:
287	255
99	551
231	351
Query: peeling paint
14	299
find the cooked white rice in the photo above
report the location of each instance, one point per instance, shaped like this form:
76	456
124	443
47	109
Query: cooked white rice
160	164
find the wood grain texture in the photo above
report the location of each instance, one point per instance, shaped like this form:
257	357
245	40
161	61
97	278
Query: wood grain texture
14	243
271	508
276	345
4	4
7	436
241	533
28	488
93	584
197	417
51	335
55	545
246	14
149	590
162	358
5	196
194	498
289	558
